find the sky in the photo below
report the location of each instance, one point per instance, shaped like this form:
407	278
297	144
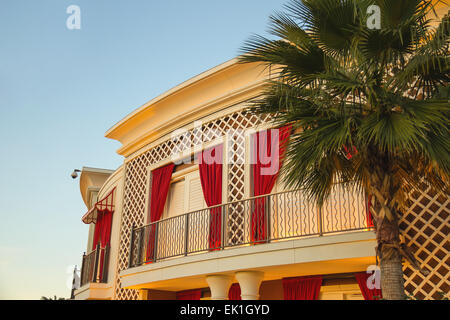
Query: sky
62	89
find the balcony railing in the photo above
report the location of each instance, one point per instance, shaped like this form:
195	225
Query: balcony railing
263	219
94	268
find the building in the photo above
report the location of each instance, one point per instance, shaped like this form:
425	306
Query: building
166	225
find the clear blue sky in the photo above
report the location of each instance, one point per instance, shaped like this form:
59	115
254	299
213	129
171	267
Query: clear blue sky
61	90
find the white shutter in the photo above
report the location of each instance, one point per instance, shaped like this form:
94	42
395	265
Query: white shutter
185	196
196	199
198	221
175	199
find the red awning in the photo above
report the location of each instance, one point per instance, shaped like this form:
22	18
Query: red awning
106	204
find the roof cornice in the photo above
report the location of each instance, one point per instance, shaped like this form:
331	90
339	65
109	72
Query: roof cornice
220	87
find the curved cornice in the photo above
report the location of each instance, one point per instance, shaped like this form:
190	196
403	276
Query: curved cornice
110	182
216	89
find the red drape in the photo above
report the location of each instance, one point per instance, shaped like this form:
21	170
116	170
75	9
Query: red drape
368	294
235	292
189	295
105	234
101	214
160	187
302	288
268	149
210	168
102	235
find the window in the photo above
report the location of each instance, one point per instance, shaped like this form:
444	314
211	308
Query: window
185	193
175	200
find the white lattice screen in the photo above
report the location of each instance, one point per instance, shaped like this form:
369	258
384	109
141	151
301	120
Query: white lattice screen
426	227
136	175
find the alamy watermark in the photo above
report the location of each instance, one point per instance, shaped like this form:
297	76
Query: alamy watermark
217	147
374	280
73	22
374	18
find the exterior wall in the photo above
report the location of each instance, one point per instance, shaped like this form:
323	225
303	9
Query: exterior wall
93	200
90	237
116	180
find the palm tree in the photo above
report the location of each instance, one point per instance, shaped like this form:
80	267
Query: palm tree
369	107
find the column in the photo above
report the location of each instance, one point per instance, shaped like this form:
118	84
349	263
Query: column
219	284
249	281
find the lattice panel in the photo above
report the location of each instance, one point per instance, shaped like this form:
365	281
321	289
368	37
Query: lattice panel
236	173
426	227
236	188
136	175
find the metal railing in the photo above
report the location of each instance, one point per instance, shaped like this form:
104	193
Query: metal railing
263	219
94	267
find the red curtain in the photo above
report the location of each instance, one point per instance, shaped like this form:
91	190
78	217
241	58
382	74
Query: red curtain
189	295
368	294
160	187
302	288
102	235
102	231
268	149
235	292
210	168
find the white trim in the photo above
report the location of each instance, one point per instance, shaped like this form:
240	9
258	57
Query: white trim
147	195
177	176
225	169
97	170
247	165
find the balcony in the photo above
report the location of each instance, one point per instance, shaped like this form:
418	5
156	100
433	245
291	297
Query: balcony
265	219
94	267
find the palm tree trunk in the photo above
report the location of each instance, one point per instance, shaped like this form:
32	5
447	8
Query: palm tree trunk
392	284
387	232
